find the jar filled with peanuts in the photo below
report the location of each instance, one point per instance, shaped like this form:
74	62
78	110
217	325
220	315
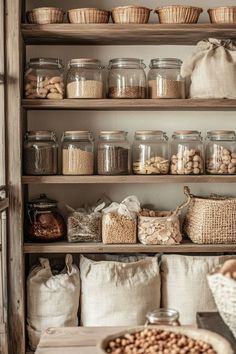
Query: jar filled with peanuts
44	78
150	152
187	153
77	153
126	78
221	152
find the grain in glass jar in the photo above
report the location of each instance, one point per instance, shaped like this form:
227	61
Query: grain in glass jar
221	152
126	78
150	152
113	153
84	78
187	153
163	316
164	79
44	78
77	153
40	153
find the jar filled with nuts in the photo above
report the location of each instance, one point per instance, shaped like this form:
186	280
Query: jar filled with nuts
187	153
44	79
221	152
150	153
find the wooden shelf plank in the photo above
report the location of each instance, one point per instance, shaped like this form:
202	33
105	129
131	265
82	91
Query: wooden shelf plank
64	247
130	104
114	34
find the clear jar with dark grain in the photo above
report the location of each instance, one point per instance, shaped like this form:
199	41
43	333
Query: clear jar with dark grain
163	316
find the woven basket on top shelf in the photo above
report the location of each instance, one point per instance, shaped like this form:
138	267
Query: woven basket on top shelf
45	15
88	15
178	14
130	14
223	14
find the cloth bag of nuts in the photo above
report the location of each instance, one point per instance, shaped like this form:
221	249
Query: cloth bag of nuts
211	70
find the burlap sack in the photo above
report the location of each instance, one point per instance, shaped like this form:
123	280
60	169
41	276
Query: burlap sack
211	70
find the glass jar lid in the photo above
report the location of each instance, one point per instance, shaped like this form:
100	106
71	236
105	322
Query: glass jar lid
227	135
127	63
77	135
43	202
47	62
162	315
41	135
187	135
85	63
113	135
165	63
150	134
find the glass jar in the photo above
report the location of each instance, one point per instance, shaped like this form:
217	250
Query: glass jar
84	78
126	78
187	153
150	153
164	79
113	153
40	153
163	316
77	153
44	78
44	221
221	152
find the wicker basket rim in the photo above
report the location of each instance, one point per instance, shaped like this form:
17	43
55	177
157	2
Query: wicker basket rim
88	8
130	7
214	199
222	8
37	9
199	9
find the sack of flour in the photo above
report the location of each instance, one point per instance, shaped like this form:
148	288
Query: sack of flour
211	70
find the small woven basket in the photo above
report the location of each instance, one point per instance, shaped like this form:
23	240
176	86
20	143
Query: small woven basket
223	14
210	220
130	14
88	15
45	15
178	14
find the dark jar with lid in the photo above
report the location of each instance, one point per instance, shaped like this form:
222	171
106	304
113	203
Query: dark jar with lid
44	222
163	316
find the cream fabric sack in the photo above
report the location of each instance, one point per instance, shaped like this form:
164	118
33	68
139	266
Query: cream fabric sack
118	293
184	284
52	300
211	70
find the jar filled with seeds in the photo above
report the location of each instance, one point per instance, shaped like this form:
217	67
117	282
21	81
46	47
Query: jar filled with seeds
187	153
44	78
84	78
221	152
164	79
126	78
150	152
77	153
113	153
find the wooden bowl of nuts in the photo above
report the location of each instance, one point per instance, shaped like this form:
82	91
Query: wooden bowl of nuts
164	339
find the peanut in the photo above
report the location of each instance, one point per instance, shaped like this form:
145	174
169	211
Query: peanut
44	87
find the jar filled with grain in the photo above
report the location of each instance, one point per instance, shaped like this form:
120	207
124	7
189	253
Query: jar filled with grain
164	79
187	153
84	78
77	153
221	152
150	152
44	78
126	78
113	153
40	153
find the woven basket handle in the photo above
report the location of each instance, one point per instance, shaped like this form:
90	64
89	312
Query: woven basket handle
184	204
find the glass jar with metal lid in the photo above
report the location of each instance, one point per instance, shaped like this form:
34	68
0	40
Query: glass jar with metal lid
44	78
221	152
164	79
126	78
163	316
40	153
187	153
113	153
77	153
84	78
150	152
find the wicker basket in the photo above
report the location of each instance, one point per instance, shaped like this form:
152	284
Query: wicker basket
223	14
130	14
211	220
88	15
45	15
178	14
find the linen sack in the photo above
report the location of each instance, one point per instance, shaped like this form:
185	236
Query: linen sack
52	300
118	293
211	70
184	284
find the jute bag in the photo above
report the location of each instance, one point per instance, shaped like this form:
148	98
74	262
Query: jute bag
52	300
211	70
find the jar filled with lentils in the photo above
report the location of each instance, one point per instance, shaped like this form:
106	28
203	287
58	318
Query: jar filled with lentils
126	78
187	157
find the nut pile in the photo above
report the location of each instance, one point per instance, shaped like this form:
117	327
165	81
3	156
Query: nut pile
187	162
44	87
154	341
154	166
223	161
118	228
